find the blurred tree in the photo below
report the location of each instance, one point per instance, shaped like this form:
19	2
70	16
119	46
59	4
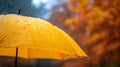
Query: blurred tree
97	23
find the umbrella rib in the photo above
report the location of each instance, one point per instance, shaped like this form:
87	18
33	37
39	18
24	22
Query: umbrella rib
32	37
65	37
75	46
61	56
28	53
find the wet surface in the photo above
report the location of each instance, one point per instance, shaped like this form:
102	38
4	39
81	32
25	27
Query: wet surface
44	9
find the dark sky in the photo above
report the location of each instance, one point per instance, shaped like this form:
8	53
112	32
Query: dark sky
35	8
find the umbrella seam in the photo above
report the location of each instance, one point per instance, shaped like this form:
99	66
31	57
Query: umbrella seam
61	56
28	53
68	41
32	37
63	35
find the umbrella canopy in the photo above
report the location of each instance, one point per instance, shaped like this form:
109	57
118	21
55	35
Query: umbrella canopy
35	38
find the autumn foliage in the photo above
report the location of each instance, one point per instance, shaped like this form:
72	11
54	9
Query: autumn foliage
97	23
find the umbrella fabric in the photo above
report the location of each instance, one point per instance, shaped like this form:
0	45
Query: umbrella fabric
35	38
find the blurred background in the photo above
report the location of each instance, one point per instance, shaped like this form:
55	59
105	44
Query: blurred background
93	24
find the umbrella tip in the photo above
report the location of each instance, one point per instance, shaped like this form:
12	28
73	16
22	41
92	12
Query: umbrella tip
19	11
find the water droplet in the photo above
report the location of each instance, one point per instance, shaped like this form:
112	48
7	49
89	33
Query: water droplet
32	47
6	43
13	46
67	54
47	49
23	27
62	52
7	46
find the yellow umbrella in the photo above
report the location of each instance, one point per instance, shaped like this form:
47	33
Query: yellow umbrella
35	38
